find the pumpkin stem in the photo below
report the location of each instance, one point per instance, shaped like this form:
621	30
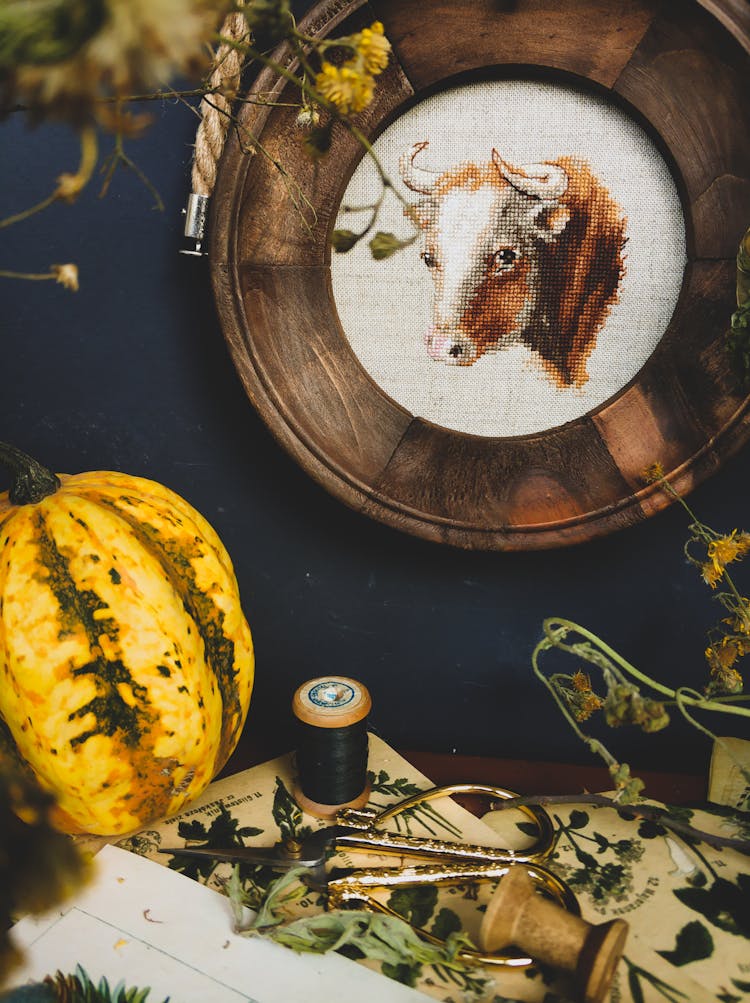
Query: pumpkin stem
31	481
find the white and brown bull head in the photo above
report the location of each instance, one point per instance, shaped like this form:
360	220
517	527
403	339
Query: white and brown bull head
516	256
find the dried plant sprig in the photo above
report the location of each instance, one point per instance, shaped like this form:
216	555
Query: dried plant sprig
729	640
377	936
641	810
66	275
68	62
85	70
625	701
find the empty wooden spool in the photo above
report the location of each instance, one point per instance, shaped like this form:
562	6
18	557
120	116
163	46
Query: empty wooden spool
517	916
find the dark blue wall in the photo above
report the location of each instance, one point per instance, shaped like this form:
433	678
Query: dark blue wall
131	373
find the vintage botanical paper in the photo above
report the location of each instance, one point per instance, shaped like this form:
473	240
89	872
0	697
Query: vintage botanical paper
726	782
151	930
688	905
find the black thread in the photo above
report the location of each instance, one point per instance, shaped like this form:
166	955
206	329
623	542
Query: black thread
332	762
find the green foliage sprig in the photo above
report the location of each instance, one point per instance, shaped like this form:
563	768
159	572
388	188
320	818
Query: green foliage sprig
372	935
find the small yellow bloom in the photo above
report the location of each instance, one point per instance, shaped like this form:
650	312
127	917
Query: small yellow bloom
374	48
581	682
726	682
711	574
69	187
724	655
727	549
654	472
578	695
345	86
586	705
66	275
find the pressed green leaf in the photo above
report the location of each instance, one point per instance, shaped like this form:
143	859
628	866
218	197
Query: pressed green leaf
343	240
648	829
694	943
586	859
415	904
194	829
286	812
446	923
634	983
602	842
578	819
742	985
379	937
383	245
723	903
405	973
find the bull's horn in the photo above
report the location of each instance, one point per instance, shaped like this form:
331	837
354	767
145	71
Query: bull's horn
542	181
416	178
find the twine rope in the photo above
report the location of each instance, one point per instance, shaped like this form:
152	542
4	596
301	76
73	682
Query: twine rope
215	109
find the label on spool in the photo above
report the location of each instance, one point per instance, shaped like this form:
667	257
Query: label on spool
331	702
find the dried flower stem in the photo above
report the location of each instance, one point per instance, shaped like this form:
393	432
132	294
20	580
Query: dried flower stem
644	811
119	157
69	185
618	674
556	629
29	276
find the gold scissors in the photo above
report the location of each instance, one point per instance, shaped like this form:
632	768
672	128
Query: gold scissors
443	862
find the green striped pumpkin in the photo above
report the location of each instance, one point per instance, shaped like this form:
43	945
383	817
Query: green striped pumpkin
126	663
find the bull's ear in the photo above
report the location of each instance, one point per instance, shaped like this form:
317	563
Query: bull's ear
551	220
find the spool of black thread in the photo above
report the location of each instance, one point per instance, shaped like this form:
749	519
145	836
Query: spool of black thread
332	745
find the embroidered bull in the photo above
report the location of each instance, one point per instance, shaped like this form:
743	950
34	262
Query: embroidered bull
529	255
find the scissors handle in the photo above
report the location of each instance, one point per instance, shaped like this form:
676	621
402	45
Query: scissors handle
367	818
394	844
358	887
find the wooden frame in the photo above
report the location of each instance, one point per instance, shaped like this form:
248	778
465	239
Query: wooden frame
681	68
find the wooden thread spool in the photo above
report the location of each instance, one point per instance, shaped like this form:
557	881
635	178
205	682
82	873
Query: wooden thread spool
332	750
517	916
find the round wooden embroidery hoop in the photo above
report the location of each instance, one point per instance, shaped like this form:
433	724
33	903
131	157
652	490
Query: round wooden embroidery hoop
681	69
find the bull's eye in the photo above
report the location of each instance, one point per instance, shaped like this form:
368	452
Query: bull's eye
429	259
504	259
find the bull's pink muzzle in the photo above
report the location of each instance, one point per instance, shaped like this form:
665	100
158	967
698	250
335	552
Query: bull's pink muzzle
448	347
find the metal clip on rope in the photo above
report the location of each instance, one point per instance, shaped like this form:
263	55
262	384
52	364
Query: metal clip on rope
196	218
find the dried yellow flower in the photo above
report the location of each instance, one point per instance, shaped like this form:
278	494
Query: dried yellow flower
69	187
66	275
581	681
726	549
577	693
654	472
346	87
711	574
136	45
374	48
725	679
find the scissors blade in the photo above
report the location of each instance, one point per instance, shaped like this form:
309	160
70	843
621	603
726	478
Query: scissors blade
275	857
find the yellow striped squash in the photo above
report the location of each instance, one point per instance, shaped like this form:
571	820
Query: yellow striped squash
126	663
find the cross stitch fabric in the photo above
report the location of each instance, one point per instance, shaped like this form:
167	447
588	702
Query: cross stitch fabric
548	261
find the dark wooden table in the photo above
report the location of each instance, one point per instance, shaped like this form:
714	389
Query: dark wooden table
520	775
